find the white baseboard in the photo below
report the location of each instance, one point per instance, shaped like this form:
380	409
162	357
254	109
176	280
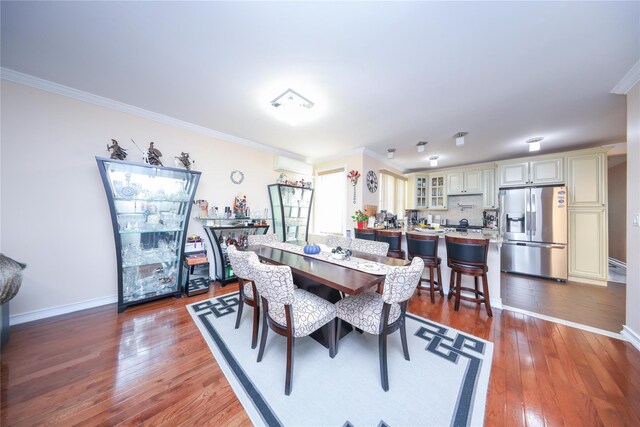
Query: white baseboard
580	280
567	323
496	303
62	309
632	337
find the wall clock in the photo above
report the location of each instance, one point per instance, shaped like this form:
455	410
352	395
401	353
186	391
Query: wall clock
372	181
237	177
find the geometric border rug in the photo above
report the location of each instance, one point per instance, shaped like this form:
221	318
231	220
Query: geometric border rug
444	384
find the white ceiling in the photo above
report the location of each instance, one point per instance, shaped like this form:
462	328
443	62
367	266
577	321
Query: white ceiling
382	75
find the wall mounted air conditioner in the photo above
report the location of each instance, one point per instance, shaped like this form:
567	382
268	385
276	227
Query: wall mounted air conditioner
285	164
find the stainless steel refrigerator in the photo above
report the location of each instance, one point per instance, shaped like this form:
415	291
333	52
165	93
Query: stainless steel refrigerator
534	231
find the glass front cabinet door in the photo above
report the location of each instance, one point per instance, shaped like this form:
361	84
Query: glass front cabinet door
150	207
291	207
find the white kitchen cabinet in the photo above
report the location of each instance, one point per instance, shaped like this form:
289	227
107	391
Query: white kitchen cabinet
417	191
469	182
588	252
489	193
587	180
437	192
548	171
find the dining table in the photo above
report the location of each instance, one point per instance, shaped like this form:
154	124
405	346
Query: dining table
325	278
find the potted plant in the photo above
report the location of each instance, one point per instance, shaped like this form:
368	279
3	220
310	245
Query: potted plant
360	217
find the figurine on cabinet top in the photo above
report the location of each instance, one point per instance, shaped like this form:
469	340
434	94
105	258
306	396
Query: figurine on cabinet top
184	160
153	155
240	206
117	152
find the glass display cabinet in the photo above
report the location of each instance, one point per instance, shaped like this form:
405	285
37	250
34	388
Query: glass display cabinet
291	207
150	207
223	232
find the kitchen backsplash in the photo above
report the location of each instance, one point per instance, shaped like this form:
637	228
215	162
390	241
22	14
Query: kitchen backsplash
454	214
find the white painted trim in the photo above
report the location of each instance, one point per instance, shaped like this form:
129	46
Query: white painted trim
62	309
496	303
585	281
567	323
629	80
616	262
632	337
38	83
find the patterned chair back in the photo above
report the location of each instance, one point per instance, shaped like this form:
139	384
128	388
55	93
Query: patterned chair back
258	239
401	282
370	246
274	282
334	241
241	262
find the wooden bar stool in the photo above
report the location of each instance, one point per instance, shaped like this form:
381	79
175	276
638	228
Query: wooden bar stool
364	233
425	246
394	239
468	256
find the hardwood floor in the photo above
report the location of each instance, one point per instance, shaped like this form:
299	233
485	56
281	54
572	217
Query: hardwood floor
602	307
150	365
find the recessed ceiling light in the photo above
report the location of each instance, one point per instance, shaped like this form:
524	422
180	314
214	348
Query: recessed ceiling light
433	161
391	153
421	146
460	138
292	107
534	143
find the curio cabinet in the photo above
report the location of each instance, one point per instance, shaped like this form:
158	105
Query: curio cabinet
150	207
291	208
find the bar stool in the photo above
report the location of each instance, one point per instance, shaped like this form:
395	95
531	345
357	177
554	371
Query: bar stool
425	246
468	256
394	238
364	233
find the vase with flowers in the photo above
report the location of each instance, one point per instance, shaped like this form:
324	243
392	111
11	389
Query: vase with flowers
360	218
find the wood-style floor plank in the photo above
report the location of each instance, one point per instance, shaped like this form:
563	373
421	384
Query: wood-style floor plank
151	366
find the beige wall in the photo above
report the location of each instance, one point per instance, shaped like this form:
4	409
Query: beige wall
54	211
633	208
617	202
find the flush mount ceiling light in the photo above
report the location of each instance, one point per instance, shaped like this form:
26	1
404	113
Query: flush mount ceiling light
460	138
433	161
391	152
534	143
421	146
292	107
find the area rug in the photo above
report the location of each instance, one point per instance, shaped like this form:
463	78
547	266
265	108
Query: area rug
444	384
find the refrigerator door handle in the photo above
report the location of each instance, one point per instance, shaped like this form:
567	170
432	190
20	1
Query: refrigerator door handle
536	245
534	212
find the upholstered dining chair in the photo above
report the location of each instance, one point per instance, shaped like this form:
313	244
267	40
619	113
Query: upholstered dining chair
258	239
291	312
370	247
383	314
241	262
334	241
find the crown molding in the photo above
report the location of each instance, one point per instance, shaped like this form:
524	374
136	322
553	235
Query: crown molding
38	83
355	152
383	159
628	81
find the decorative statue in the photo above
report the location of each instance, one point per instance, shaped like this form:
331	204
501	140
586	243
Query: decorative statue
185	160
153	155
240	206
282	179
117	152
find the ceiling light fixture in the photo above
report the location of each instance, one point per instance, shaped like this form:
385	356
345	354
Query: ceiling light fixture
391	153
292	107
534	143
421	146
433	161
460	138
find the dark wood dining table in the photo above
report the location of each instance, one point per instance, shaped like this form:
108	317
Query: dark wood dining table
324	278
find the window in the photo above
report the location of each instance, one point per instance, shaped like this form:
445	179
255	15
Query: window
393	193
329	204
